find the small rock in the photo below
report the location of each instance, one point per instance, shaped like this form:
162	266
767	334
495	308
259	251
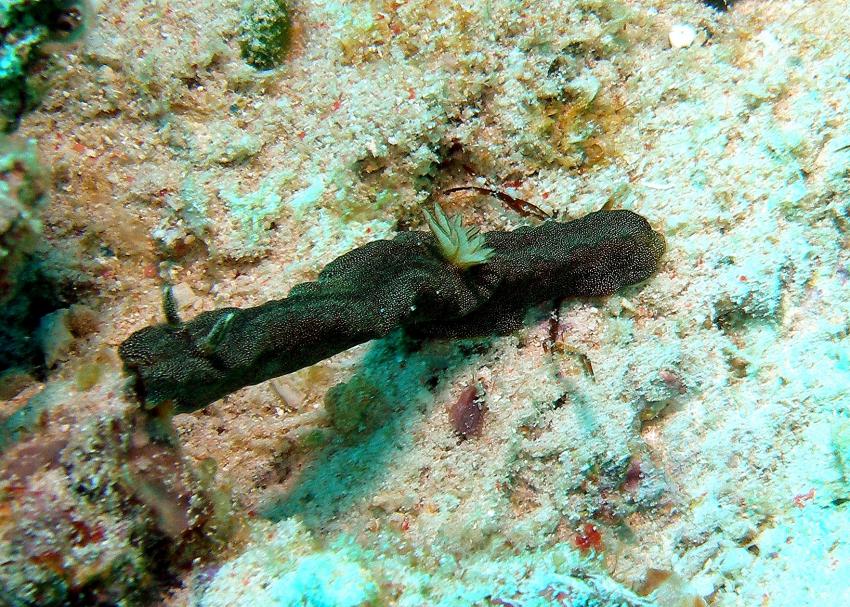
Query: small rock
184	295
54	337
289	395
681	35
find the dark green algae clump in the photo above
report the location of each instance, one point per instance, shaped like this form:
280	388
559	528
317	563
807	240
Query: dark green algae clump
382	286
25	26
265	31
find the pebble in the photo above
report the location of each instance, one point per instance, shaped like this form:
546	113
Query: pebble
681	35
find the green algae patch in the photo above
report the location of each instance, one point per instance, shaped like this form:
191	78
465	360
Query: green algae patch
25	26
22	196
356	406
265	35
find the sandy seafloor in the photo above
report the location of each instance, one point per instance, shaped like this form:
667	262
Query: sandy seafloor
699	423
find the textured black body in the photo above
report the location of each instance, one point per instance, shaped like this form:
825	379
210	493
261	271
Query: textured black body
374	289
